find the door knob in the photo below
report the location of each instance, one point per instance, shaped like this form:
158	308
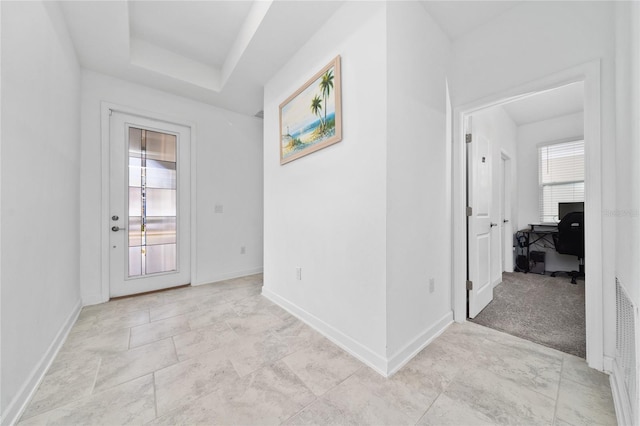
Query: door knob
117	228
505	221
492	225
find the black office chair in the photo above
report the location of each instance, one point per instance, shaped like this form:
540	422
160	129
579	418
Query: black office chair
570	240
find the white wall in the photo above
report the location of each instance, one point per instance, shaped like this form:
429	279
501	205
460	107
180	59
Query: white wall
326	212
229	172
529	137
498	127
40	194
367	219
627	212
533	41
418	200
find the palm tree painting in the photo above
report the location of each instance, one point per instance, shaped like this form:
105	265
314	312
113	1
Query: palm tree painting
310	119
316	108
326	84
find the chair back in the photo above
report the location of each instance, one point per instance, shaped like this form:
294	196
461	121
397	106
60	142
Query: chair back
570	238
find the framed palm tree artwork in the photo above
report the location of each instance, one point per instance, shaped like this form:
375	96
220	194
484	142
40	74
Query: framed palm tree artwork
311	118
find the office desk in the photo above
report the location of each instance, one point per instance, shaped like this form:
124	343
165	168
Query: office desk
537	234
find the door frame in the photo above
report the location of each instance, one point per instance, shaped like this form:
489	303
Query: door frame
506	187
590	74
105	112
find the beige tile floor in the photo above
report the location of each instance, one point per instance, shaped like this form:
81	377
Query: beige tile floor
223	354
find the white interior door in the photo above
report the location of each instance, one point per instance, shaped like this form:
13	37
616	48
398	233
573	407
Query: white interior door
479	225
148	205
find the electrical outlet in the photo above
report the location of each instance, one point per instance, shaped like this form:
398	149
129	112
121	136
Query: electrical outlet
432	285
218	208
299	274
243	250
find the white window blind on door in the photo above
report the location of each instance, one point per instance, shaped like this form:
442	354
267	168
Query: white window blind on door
561	176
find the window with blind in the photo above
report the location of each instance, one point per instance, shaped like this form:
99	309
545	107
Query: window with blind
561	176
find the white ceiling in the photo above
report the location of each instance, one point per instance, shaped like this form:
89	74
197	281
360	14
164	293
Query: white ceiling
218	52
222	52
457	18
546	105
199	30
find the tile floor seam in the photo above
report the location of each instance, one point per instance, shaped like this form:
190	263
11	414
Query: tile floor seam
155	396
228	326
175	351
590	386
430	405
315	397
498	373
345	379
555	409
95	376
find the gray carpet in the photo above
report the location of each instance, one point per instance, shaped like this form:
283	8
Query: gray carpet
539	308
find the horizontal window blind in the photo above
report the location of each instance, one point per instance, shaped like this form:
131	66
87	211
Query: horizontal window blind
561	177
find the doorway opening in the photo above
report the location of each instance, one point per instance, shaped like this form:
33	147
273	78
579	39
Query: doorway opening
544	135
501	243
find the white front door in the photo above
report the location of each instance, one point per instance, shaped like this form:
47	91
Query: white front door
148	204
479	226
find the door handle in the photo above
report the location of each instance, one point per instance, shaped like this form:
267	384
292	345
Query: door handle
505	221
117	228
492	225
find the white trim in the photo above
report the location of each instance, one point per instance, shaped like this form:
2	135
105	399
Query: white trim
497	281
230	275
590	74
559	141
354	348
608	365
624	412
19	403
105	110
506	245
93	299
411	349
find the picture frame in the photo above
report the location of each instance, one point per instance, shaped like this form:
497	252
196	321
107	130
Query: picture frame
311	118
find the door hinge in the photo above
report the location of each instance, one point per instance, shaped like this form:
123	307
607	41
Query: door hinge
468	138
469	285
469	211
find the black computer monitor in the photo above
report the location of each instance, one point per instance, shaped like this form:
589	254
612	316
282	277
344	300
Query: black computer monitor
564	208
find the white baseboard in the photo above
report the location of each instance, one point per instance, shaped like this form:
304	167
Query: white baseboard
607	364
404	355
19	403
94	299
497	281
229	275
624	412
354	348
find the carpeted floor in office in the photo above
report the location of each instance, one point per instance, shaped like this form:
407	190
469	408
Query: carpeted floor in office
543	309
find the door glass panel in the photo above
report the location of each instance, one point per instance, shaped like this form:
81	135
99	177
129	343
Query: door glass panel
161	258
135	201
152	202
135	261
135	231
161	202
161	174
161	230
160	146
135	172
